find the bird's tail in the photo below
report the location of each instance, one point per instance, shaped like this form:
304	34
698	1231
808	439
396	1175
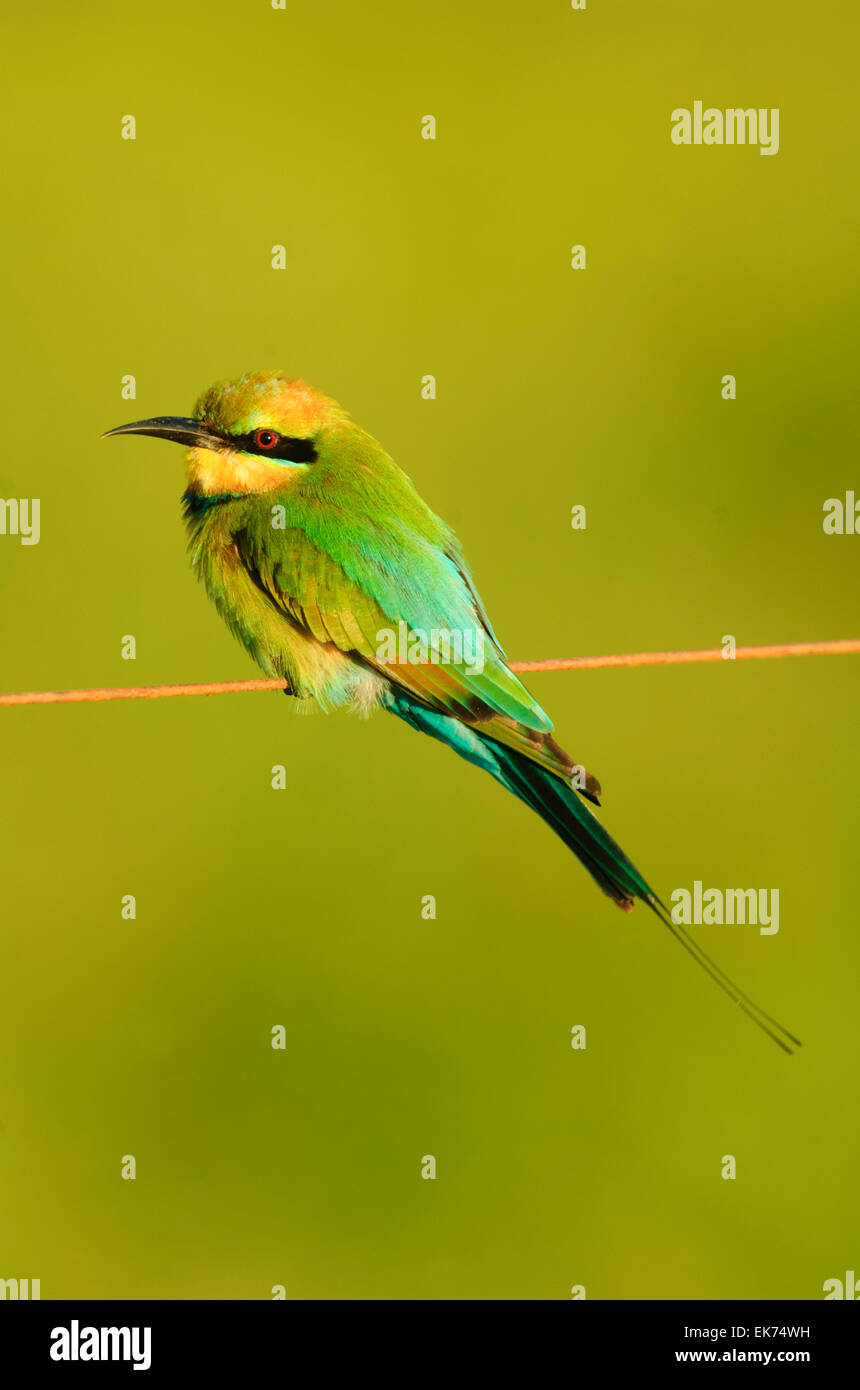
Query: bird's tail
557	803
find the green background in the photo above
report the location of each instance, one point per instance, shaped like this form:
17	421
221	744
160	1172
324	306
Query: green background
302	908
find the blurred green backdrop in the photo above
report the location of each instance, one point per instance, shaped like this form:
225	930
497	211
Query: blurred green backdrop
302	908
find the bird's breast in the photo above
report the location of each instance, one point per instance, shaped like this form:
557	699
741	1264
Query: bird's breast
279	644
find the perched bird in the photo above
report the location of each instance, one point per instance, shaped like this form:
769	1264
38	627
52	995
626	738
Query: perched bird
322	558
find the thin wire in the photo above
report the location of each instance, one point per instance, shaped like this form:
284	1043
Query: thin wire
564	663
592	663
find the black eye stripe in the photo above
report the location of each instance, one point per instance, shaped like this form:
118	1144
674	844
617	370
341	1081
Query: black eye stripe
289	449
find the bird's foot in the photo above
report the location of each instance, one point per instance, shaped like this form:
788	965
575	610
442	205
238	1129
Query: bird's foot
290	690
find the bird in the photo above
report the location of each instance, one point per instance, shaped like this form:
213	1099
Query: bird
322	558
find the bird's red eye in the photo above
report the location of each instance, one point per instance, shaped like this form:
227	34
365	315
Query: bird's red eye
265	439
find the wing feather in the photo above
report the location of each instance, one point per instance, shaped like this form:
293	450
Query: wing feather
429	590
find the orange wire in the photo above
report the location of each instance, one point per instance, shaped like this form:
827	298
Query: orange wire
564	663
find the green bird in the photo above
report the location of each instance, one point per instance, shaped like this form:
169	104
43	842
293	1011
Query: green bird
338	579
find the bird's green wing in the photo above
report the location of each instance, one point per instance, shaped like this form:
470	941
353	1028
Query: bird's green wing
354	597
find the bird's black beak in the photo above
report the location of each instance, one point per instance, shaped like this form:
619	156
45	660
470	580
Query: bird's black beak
191	433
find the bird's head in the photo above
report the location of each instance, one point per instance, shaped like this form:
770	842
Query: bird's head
259	433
